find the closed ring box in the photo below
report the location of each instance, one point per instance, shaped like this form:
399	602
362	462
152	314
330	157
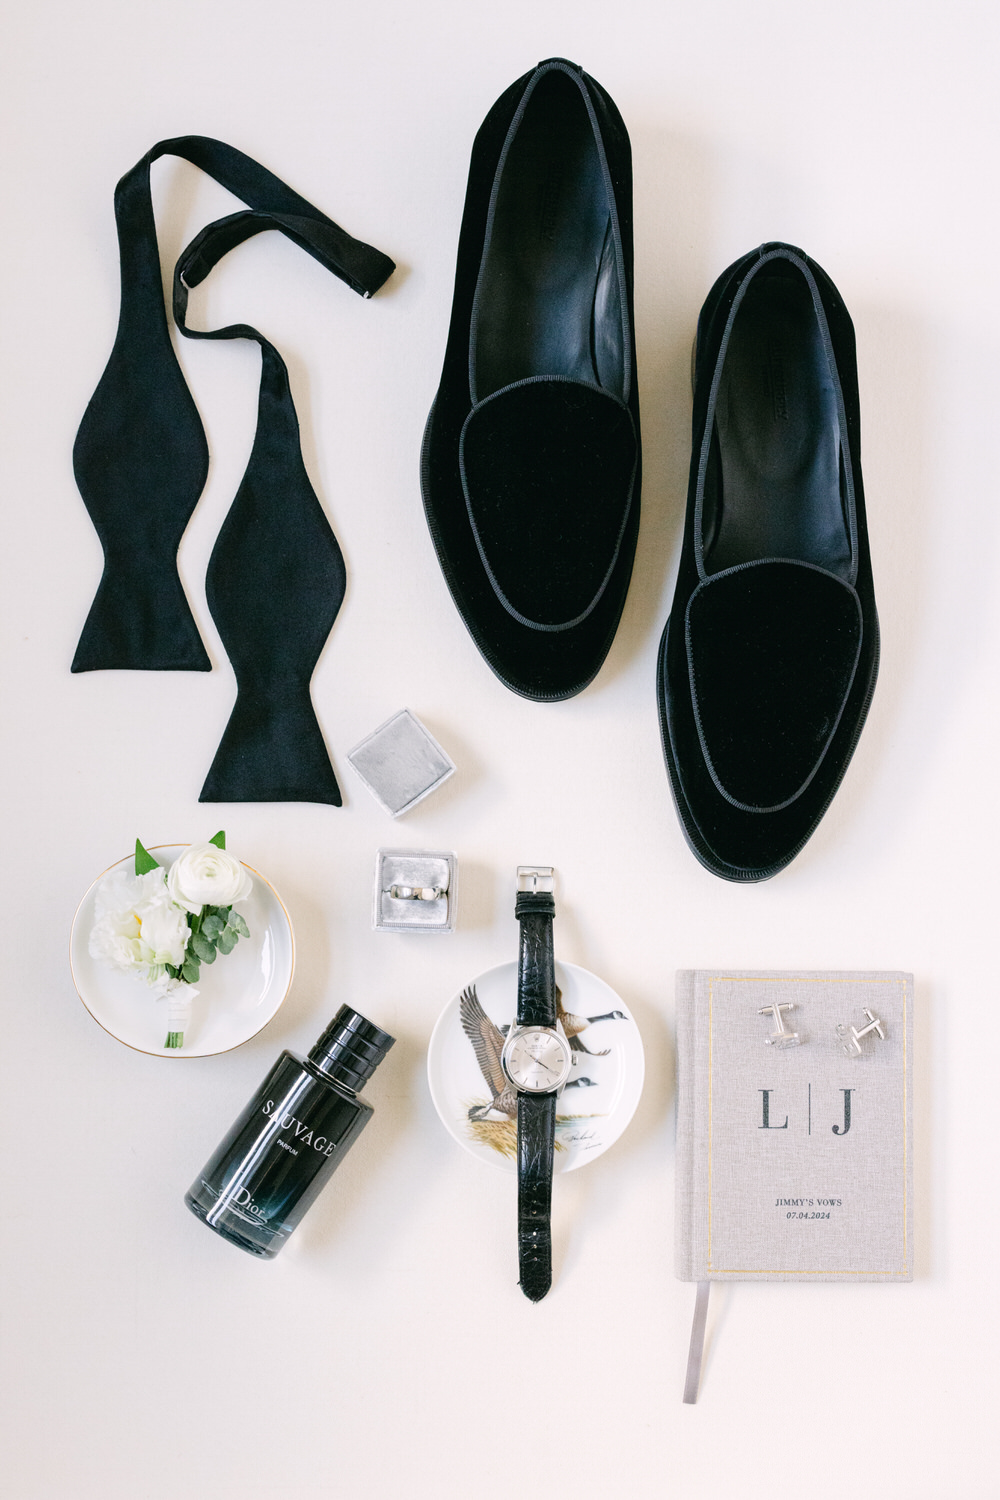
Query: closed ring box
401	763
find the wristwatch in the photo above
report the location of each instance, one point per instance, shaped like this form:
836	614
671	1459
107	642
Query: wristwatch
536	1058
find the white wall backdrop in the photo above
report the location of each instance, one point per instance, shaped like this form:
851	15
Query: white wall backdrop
388	1350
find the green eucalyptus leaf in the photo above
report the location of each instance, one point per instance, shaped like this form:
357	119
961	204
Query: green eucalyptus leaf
212	926
203	947
219	840
190	970
237	924
144	861
227	941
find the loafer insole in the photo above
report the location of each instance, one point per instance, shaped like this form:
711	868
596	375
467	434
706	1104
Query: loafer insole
774	481
548	300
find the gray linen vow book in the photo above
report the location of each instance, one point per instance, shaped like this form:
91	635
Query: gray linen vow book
794	1163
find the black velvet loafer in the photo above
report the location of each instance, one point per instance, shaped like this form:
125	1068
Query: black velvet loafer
768	661
530	464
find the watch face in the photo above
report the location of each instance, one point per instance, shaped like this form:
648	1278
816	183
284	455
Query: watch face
537	1059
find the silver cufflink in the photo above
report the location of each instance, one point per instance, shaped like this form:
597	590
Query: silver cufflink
850	1036
781	1036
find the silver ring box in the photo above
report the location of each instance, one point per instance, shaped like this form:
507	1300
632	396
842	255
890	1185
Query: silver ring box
401	763
416	890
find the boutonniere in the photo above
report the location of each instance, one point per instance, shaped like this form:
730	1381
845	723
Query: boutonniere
161	925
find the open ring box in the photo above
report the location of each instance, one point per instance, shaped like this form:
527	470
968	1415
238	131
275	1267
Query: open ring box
420	873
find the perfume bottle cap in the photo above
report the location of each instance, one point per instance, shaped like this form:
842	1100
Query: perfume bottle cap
350	1048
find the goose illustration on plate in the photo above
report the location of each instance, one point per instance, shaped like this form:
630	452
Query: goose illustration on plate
477	1103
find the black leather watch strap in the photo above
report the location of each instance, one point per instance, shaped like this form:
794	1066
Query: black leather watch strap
536	1134
536	975
536	1113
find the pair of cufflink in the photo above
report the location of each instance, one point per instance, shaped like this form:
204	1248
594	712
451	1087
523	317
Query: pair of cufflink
849	1037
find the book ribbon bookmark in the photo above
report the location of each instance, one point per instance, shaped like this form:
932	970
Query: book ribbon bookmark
696	1351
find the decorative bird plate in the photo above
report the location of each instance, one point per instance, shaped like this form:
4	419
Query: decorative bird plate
470	1092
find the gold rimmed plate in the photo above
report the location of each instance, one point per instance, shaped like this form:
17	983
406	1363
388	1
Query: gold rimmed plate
237	995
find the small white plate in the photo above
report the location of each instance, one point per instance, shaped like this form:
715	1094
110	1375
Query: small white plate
237	995
590	1115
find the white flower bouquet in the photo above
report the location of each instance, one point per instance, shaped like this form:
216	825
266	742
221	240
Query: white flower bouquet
162	925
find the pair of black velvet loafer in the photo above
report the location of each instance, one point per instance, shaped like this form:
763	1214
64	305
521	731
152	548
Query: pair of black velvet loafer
531	467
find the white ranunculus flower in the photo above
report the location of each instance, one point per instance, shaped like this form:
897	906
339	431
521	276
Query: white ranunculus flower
205	875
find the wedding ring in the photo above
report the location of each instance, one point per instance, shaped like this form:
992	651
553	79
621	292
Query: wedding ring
417	892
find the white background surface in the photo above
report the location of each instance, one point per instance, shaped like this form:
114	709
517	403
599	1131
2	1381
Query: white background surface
388	1350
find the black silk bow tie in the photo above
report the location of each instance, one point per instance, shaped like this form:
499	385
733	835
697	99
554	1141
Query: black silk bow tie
276	575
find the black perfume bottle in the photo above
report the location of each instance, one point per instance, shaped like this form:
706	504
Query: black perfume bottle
291	1138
